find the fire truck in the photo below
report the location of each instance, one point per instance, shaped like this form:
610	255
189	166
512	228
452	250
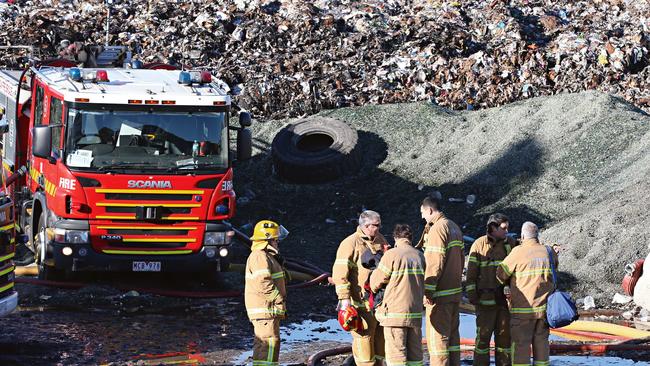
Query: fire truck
129	166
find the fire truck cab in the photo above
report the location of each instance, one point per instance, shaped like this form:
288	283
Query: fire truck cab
128	169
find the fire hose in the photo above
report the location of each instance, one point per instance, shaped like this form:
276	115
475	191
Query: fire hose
556	349
633	272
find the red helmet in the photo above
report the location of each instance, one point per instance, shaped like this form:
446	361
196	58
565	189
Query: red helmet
350	320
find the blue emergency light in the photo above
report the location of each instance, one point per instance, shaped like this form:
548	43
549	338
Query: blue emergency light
184	77
75	74
136	64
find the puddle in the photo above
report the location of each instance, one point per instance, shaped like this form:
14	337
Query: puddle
310	331
593	361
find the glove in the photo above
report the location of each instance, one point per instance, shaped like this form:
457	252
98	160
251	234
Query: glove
370	295
343	304
472	296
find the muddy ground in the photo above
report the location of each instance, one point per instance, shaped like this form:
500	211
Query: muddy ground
576	164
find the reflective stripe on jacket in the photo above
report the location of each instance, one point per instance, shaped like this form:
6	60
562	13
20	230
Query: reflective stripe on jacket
485	256
527	271
265	289
348	273
443	246
402	269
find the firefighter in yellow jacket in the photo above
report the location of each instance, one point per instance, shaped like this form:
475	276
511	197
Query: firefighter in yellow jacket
527	271
356	257
486	294
265	291
401	269
443	246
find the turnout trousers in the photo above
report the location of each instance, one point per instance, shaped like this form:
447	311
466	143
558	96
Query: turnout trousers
492	319
368	345
266	345
527	333
403	346
443	337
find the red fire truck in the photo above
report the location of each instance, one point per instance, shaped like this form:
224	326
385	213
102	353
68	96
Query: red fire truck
129	168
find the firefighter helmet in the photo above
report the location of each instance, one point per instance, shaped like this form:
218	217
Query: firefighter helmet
267	230
350	320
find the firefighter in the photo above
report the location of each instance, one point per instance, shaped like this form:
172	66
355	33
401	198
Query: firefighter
527	272
356	257
443	246
401	269
483	291
265	291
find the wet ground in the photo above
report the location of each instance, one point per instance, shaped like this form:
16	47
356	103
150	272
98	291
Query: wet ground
101	325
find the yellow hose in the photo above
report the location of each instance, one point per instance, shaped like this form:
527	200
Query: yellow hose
607	328
26	271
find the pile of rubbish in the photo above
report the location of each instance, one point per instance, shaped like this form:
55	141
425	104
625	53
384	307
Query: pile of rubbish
287	58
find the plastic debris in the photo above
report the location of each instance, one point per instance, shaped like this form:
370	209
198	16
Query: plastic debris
621	299
588	303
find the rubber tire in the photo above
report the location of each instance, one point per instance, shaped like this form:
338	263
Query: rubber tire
341	158
45	272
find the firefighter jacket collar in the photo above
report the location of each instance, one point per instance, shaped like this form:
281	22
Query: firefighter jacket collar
533	241
402	242
263	245
372	244
492	240
435	218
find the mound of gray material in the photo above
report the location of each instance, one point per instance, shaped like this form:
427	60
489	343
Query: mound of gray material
576	164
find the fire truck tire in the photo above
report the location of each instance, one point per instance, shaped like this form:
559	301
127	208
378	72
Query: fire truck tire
316	150
45	272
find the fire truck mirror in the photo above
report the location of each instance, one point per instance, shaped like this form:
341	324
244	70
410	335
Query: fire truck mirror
245	119
4	125
244	144
42	142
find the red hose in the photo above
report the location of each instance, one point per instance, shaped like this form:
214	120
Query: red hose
317	280
35	281
630	280
601	336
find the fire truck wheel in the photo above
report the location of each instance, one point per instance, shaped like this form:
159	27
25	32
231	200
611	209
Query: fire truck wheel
45	272
316	150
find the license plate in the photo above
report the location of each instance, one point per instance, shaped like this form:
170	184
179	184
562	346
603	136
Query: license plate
146	266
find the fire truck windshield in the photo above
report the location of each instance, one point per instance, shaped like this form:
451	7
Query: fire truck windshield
142	140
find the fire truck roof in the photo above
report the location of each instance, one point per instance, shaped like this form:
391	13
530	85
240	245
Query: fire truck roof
133	86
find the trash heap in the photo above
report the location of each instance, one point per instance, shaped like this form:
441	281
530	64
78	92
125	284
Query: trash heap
289	58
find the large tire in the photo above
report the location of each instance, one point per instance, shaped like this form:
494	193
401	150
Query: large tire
316	150
45	272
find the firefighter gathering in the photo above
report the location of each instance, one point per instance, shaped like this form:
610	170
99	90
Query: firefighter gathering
388	292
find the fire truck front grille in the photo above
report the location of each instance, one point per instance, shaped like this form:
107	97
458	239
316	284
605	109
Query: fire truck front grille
147	197
148	245
147	236
166	210
146	232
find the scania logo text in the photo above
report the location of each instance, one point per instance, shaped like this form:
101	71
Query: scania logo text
150	184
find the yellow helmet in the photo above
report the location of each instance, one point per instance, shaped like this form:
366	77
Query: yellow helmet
267	230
